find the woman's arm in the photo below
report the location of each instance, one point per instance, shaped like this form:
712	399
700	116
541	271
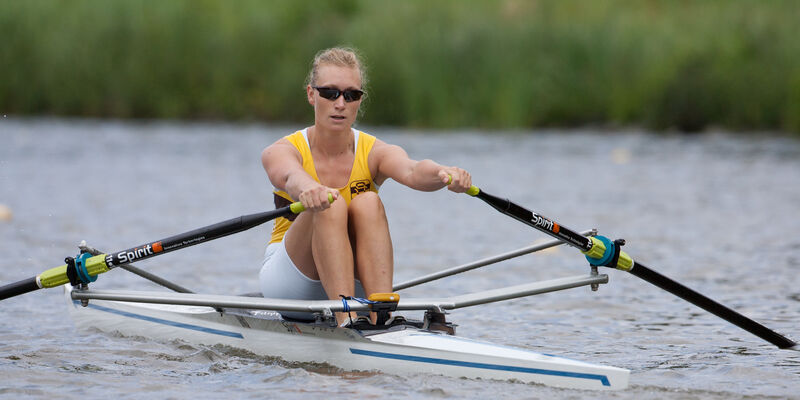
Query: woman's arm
284	167
392	161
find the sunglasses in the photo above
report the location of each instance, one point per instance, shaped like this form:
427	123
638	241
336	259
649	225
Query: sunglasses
350	95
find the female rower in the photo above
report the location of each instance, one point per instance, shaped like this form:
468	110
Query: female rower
343	247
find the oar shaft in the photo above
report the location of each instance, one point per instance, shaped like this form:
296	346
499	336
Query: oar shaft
537	221
191	238
710	305
18	288
102	263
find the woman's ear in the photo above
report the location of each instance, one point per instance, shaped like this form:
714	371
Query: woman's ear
310	94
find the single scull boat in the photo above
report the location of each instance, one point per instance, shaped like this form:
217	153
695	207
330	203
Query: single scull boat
399	346
405	347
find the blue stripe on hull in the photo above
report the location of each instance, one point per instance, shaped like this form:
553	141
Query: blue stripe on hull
165	322
441	361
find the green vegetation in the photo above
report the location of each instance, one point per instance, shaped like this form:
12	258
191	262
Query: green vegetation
443	64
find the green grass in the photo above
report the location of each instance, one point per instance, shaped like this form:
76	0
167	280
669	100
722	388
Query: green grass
687	65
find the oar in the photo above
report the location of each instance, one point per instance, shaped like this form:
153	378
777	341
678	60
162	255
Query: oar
603	252
85	267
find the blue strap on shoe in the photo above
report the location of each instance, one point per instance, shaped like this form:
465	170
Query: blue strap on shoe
346	307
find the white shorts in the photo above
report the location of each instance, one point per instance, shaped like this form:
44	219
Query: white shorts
280	279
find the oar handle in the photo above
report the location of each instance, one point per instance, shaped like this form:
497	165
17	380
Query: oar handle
298	207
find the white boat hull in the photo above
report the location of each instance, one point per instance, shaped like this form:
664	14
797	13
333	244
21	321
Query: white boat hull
400	350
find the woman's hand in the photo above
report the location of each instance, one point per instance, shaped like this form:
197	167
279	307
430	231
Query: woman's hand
456	179
316	197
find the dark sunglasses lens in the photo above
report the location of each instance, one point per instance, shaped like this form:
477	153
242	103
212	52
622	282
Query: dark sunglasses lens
330	94
333	94
352	95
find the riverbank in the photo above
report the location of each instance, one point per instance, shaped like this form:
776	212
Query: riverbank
661	65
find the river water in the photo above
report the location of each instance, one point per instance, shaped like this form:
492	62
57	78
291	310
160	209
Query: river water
717	212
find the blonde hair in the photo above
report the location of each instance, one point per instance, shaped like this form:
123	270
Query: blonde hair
338	56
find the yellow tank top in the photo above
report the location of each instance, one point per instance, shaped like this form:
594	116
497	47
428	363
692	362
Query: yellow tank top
360	178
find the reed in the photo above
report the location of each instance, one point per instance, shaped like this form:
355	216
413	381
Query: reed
685	65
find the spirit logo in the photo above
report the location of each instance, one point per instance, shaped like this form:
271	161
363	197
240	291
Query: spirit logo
136	253
545	223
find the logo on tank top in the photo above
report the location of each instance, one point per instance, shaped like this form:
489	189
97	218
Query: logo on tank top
357	187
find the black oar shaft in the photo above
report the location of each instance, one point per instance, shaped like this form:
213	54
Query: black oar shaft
585	244
537	221
18	288
59	275
191	238
711	306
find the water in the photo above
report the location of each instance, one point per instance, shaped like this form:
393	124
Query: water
716	212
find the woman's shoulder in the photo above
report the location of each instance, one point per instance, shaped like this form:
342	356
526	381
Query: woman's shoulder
380	149
292	142
298	139
363	134
300	133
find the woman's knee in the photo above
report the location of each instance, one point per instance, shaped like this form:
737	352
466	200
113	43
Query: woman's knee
367	204
336	213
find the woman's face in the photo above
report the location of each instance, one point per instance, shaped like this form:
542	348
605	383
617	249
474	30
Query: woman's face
335	115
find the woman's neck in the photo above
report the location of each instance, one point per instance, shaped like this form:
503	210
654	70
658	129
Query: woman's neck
330	143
